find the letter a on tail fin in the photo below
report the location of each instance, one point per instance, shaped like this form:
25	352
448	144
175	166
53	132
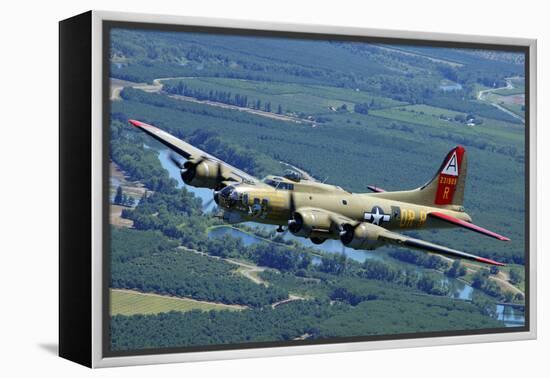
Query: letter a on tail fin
446	188
451	178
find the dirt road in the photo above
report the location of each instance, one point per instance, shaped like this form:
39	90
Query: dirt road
249	271
156	87
481	96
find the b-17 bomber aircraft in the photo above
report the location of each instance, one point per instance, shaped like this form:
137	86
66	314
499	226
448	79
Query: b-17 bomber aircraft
319	211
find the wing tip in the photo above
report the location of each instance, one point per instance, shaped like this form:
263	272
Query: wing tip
468	225
489	261
135	123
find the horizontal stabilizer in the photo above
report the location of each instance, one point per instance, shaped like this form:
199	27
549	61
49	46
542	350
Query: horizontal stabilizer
375	189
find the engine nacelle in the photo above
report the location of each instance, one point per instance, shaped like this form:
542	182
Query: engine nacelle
310	223
203	174
364	236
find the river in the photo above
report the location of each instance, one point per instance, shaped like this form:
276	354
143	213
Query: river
459	289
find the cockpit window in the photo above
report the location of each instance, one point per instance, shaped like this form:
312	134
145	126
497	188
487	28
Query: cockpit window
278	184
271	182
292	175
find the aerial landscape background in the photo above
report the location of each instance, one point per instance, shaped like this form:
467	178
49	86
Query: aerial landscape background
181	278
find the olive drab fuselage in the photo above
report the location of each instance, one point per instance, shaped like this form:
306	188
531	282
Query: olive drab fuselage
270	202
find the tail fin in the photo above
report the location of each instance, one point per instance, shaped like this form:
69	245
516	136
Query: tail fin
447	186
445	189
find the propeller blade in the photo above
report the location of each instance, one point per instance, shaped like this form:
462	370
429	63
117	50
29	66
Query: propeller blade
219	177
207	204
176	160
292	205
338	224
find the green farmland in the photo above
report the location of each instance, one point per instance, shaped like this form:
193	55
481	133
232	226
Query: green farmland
126	302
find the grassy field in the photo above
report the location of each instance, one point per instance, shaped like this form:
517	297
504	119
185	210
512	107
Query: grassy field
294	98
128	302
429	116
516	108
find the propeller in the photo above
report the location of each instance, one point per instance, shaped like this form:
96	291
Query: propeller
188	170
292	222
346	232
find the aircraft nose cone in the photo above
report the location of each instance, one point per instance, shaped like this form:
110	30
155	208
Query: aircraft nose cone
227	195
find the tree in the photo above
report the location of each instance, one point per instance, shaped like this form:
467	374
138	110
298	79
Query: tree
333	263
515	276
343	108
508	296
118	196
144	197
361	108
305	261
479	279
378	270
130	201
457	269
432	284
460	118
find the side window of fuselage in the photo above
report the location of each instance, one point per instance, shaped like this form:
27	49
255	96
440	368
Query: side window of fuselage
285	186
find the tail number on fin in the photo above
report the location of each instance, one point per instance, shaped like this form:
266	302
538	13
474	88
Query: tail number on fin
448	177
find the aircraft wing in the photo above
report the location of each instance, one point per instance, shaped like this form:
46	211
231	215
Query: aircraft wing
470	226
406	241
188	151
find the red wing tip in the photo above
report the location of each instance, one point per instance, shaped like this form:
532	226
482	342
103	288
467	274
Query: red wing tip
504	238
135	123
489	261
